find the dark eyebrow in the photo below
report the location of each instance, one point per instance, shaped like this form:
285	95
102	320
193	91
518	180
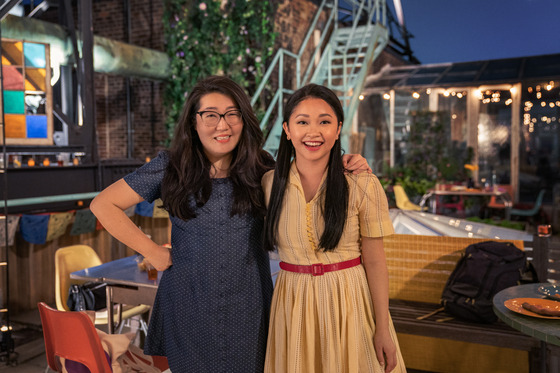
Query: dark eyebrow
213	108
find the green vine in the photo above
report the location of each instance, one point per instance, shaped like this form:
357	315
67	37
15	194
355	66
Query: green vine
209	37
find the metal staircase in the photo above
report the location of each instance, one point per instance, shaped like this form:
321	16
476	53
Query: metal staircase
343	64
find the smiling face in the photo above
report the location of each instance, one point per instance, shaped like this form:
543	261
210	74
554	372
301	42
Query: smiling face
220	140
313	129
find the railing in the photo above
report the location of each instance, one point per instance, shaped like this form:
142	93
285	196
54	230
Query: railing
345	58
278	63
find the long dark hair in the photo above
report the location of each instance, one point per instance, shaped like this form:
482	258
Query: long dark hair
335	207
188	171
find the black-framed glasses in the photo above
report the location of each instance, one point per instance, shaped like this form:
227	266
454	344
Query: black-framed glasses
211	118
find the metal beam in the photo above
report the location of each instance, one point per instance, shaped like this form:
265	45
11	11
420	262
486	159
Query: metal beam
7	6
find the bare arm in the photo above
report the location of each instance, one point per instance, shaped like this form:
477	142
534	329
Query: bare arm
109	206
378	280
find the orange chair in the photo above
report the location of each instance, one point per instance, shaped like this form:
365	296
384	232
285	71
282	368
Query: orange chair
494	203
71	335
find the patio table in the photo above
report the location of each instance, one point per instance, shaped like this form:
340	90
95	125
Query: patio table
501	195
544	329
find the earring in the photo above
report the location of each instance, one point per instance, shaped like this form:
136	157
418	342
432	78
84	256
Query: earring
288	137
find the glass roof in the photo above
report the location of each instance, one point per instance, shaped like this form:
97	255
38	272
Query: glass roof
511	70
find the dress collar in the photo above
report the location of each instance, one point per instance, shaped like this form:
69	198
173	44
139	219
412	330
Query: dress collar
295	180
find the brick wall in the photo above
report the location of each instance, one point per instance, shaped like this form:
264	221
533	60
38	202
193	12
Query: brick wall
146	117
292	21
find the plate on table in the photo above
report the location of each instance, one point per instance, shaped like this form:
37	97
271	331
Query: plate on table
551	291
516	305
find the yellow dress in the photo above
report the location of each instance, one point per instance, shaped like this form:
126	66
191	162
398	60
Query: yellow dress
325	323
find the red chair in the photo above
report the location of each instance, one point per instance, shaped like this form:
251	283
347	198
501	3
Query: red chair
72	336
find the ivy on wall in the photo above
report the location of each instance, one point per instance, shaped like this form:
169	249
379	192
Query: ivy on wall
209	37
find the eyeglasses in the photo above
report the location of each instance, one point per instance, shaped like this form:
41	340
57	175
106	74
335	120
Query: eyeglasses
212	118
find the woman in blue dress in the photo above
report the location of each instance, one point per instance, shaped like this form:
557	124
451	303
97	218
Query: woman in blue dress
212	306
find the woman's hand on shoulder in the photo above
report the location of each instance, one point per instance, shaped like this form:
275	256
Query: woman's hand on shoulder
355	164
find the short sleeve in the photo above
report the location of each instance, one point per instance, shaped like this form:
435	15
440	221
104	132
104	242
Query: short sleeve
146	180
374	209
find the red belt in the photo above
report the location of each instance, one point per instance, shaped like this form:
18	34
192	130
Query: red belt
319	269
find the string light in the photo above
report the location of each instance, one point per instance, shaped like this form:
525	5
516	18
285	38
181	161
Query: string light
416	95
386	96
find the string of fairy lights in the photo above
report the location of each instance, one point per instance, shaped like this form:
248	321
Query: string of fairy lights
550	101
541	101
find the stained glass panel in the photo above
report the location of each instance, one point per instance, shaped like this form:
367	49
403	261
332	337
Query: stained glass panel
36	126
34	55
15	126
13	102
35	79
13	78
12	53
27	92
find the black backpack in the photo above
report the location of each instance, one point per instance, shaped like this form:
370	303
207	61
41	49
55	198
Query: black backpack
88	296
484	269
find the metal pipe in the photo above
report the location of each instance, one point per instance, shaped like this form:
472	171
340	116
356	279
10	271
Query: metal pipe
46	199
129	122
109	56
5	258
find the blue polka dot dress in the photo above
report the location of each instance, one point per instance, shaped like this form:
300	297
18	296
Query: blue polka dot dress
212	305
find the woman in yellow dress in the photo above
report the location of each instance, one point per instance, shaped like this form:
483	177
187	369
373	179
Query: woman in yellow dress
330	309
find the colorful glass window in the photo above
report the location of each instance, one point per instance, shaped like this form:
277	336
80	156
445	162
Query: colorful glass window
27	92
